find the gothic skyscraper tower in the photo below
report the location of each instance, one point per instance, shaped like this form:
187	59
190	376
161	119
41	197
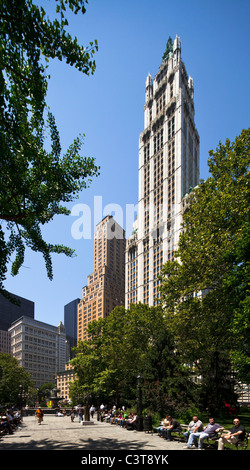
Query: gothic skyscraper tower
168	168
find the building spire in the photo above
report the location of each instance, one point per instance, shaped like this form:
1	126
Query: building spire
169	49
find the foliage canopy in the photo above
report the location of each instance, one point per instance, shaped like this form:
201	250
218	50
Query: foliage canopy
205	291
127	343
12	377
34	181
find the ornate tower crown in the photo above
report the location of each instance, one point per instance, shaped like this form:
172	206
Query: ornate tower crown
169	49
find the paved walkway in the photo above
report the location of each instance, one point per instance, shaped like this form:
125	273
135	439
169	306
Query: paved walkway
59	433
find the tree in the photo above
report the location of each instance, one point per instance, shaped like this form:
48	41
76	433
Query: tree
113	353
127	343
169	387
12	377
34	181
205	291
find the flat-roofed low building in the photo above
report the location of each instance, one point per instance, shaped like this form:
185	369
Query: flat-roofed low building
63	381
38	347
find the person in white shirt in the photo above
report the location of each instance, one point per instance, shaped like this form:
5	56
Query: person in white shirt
194	426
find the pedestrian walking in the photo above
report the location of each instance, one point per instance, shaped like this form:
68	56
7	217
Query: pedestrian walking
39	415
92	411
80	413
72	414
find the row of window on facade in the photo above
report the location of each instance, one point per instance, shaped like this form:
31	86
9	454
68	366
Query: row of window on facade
158	140
160	100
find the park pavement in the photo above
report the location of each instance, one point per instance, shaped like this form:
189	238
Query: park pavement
59	433
97	443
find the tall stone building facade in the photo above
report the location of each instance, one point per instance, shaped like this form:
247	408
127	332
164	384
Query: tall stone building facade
168	168
106	285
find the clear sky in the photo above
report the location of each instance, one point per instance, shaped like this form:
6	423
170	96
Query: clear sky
108	108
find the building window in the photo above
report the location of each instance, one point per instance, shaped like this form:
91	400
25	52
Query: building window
171	126
158	141
146	153
160	103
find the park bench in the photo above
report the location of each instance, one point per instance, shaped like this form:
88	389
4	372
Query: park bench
244	443
241	444
179	433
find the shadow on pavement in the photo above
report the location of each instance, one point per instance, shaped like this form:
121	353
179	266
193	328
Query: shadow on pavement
85	445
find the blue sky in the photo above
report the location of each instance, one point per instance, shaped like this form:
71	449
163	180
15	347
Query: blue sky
108	108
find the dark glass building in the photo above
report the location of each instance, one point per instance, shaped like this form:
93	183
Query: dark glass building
70	323
10	312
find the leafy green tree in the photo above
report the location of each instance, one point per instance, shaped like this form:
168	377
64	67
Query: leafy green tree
12	377
112	354
34	181
127	343
169	385
205	292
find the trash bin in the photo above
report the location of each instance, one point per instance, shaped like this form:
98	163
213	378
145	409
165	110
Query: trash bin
139	423
148	423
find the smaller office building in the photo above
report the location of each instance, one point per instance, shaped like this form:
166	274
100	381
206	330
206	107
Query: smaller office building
63	381
39	348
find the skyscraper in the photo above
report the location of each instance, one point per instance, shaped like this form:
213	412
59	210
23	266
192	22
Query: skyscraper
106	285
9	312
168	168
70	323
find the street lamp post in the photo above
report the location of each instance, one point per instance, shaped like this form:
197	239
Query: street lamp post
20	396
98	404
1	374
139	403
